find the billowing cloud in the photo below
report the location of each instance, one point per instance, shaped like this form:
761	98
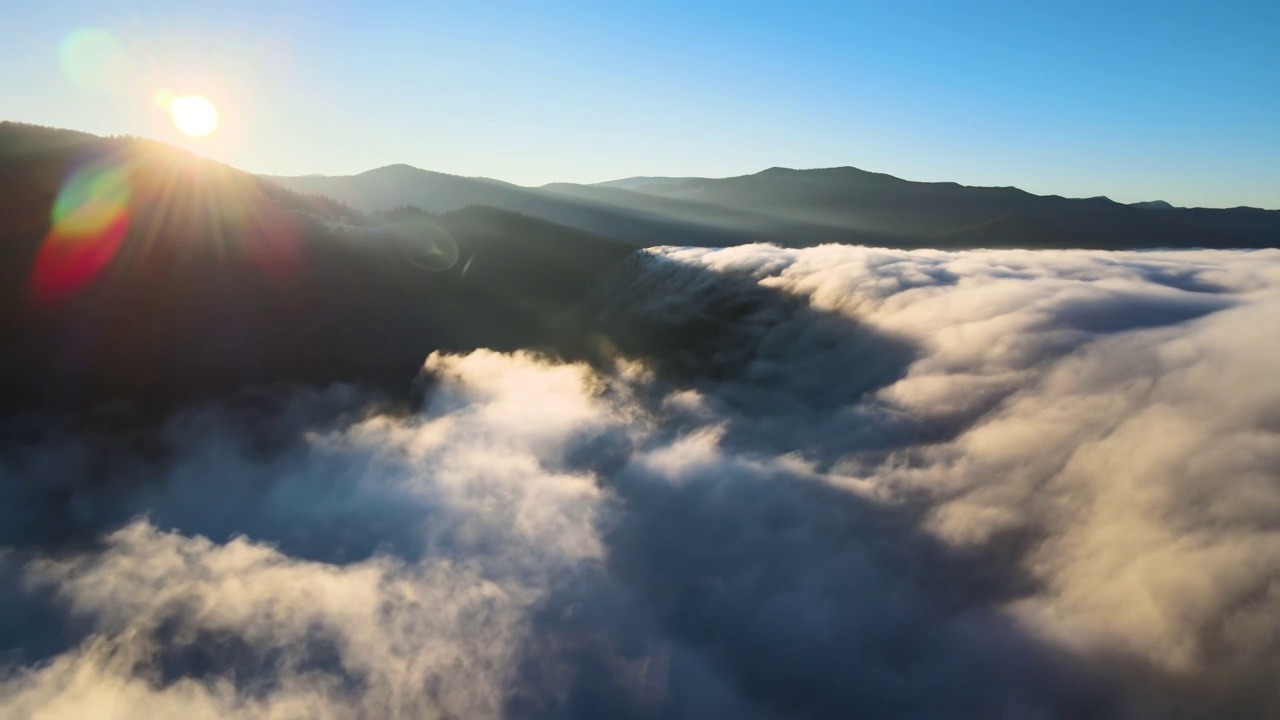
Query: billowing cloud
832	482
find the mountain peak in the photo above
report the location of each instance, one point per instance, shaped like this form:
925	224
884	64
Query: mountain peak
395	168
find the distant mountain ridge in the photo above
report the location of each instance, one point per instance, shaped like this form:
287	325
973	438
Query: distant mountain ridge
399	185
632	183
807	207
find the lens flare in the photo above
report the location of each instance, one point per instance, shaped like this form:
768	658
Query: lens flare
95	60
194	115
90	220
425	243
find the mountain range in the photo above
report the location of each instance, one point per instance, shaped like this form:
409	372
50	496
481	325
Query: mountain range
131	270
810	207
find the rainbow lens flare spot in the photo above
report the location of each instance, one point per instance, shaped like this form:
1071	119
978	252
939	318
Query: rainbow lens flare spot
95	60
90	220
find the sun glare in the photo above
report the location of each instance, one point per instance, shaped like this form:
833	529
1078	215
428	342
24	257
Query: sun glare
194	115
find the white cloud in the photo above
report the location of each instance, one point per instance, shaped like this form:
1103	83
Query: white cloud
841	481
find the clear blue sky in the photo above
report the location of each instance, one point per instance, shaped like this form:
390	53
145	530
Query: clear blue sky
1135	100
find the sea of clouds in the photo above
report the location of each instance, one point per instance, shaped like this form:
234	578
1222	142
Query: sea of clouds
822	483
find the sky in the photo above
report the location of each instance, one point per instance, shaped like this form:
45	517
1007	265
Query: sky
1136	100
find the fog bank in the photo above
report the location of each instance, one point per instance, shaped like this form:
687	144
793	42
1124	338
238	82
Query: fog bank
815	483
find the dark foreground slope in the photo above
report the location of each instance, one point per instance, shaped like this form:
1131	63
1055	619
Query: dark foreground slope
134	271
810	207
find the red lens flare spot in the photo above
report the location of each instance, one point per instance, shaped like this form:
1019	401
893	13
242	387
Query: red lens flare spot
90	221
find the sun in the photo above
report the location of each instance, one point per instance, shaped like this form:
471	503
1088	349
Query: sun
194	115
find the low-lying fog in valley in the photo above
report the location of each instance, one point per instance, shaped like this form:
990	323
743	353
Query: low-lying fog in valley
812	483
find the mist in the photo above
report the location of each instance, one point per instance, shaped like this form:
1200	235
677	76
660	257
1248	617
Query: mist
825	482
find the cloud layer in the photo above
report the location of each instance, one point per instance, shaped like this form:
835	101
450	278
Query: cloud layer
829	482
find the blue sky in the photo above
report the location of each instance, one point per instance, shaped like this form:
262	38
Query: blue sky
1134	100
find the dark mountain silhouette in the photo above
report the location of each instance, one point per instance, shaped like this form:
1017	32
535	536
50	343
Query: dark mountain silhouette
949	214
401	185
132	270
640	221
1152	205
806	207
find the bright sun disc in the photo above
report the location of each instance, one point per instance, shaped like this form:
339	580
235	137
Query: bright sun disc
193	115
